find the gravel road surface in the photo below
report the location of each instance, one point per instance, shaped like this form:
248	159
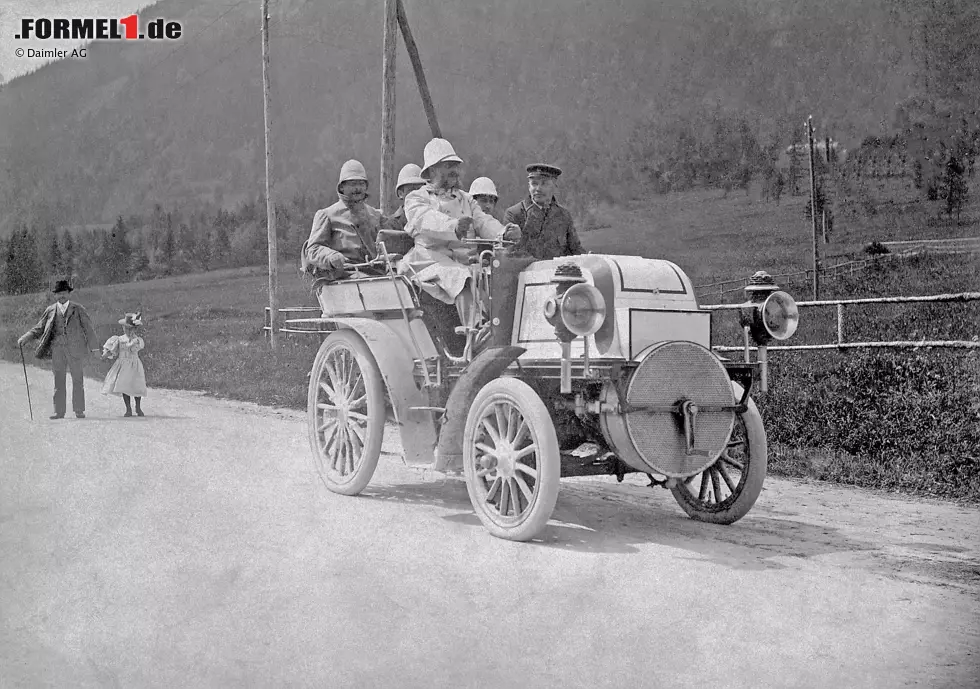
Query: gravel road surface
195	548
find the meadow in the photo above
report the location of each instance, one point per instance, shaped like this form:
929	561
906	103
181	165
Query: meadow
905	421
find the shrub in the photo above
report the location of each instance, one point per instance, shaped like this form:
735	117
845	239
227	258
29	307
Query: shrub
876	248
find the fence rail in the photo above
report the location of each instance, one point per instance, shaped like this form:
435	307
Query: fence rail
901	250
288	314
843	268
959	297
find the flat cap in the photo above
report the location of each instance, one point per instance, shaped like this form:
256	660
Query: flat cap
541	169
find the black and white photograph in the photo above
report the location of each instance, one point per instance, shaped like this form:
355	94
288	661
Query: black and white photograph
490	343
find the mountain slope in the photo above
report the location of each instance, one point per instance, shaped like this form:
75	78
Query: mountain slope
568	80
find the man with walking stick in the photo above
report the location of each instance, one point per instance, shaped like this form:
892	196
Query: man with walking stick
23	363
65	336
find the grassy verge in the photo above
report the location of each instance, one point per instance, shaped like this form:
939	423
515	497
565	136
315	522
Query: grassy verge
905	421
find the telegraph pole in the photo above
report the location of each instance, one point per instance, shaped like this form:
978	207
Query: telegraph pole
270	207
413	56
389	44
813	213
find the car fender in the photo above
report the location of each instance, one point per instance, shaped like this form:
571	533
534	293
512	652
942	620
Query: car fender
488	365
397	367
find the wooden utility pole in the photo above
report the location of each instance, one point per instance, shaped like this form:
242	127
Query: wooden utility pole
413	55
269	203
813	213
390	43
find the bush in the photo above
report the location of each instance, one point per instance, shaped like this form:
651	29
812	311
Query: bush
905	421
876	248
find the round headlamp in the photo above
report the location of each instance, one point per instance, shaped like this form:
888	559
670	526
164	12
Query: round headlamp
780	315
582	309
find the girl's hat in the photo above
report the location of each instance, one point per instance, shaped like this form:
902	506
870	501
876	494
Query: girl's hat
132	320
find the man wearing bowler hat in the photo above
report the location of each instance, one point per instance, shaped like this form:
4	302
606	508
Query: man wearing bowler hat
548	230
65	336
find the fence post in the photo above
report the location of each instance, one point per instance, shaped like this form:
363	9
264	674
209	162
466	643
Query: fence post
840	324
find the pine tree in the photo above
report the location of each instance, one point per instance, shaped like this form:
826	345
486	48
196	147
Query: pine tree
55	263
169	249
68	254
11	275
31	270
118	254
955	187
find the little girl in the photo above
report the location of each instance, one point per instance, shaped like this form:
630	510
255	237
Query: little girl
126	377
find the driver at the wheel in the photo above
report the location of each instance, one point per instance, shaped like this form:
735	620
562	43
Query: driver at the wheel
345	232
439	215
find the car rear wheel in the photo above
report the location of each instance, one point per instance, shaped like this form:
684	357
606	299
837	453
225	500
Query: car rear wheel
724	492
345	413
511	459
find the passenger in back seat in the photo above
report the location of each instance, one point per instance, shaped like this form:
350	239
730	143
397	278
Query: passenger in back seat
345	232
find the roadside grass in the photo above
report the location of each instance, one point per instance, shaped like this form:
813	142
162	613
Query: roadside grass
848	417
202	332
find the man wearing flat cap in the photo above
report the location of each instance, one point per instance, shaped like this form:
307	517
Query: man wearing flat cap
65	335
548	230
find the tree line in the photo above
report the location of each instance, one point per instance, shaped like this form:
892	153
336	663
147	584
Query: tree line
713	150
164	242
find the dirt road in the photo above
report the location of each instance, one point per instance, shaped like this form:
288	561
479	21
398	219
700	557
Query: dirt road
194	548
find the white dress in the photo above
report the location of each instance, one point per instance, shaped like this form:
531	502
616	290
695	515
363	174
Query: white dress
126	377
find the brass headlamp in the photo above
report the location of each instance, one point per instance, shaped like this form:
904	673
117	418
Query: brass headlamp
769	314
577	310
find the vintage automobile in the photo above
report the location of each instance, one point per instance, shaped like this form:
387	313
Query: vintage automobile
585	365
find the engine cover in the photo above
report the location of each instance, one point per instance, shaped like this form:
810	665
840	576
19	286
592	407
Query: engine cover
678	413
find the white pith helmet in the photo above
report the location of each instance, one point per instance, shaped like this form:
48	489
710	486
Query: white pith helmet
350	171
437	151
410	174
483	186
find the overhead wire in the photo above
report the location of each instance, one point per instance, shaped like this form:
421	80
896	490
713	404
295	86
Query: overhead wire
198	33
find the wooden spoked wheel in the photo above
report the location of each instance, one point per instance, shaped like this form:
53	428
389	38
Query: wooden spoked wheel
725	491
345	413
511	459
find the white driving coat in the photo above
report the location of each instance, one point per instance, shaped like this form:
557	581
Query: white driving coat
439	260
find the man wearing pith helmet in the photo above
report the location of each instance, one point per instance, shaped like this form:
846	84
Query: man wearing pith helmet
345	232
548	228
484	192
409	179
440	214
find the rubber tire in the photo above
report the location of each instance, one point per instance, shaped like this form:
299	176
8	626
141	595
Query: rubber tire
752	486
548	457
375	391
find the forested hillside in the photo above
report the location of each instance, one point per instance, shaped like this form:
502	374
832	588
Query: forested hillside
83	141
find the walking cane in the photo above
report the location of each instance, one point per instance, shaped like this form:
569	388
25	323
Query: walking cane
24	364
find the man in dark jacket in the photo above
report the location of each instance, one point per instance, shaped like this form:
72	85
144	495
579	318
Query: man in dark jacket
66	336
548	228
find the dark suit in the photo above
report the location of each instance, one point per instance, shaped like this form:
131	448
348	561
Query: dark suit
547	232
66	340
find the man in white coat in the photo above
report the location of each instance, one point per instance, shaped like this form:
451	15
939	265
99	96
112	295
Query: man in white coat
439	215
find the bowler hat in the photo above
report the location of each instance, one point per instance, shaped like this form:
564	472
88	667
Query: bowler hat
61	286
543	170
132	320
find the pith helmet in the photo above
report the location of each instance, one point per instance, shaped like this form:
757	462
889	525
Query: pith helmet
410	174
483	186
437	151
352	170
